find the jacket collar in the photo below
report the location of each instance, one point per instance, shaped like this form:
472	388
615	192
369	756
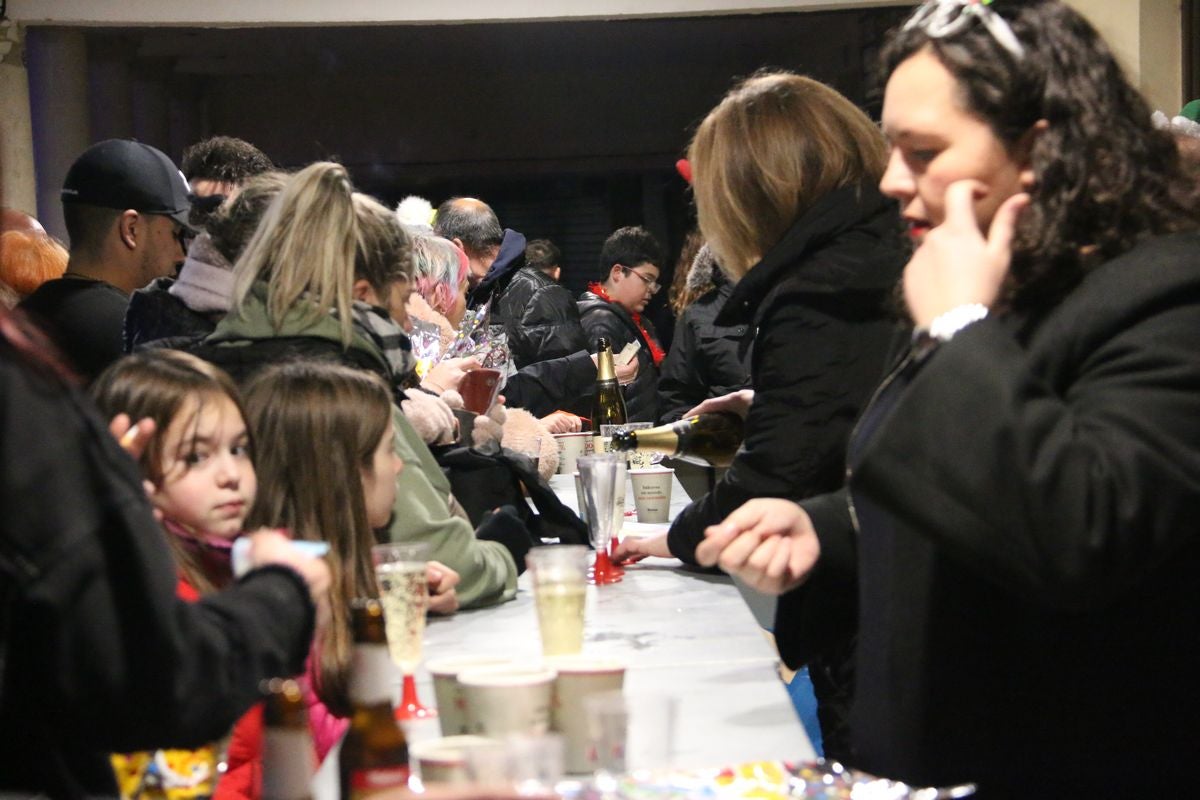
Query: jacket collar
253	324
859	216
510	259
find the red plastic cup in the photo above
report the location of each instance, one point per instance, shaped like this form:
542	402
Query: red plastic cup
479	388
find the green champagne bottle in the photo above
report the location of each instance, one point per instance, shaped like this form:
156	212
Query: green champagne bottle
706	439
609	406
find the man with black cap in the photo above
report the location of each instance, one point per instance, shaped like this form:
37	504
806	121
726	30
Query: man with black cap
125	205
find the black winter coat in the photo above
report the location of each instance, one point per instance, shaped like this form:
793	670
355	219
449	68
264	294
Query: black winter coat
819	306
98	654
604	319
538	314
1027	550
706	360
157	318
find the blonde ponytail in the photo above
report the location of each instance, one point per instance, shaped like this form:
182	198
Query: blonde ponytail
304	248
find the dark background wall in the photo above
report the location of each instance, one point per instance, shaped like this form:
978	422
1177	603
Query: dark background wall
569	129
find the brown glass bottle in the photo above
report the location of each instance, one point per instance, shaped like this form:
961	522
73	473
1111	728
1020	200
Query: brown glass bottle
288	759
374	754
712	438
608	408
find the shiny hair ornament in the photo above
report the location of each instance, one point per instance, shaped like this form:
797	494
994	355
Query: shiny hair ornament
940	19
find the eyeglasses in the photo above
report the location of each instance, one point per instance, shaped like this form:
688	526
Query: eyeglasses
942	18
651	284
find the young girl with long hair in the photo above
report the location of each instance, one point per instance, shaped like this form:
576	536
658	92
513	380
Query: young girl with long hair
327	472
200	477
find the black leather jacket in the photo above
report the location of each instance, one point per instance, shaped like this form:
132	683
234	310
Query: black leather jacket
602	318
538	314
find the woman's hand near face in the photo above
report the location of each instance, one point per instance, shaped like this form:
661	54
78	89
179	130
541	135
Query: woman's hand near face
769	543
442	580
955	265
132	438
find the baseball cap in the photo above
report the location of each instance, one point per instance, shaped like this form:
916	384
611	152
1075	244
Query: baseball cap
122	173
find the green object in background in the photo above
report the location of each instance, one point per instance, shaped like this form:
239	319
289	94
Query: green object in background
1191	111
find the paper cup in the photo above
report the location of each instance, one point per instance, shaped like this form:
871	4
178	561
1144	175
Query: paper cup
580	677
445	760
508	699
652	493
451	702
570	447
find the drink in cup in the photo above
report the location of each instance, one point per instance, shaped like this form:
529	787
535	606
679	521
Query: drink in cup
559	574
479	388
404	593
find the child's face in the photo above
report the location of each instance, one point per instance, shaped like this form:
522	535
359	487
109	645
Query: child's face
208	480
379	481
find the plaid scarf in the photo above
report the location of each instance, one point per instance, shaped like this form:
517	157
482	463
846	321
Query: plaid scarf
376	325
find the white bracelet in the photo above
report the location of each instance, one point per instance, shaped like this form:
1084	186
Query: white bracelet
948	323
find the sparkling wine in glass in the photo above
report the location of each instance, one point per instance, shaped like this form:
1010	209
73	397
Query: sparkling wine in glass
404	593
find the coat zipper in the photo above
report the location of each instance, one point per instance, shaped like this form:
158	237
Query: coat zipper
909	357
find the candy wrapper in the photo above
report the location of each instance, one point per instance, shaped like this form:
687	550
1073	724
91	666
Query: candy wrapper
487	343
769	780
426	345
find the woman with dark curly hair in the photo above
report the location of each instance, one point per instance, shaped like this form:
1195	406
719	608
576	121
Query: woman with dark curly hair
1016	548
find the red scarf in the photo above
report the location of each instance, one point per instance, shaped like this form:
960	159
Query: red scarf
656	351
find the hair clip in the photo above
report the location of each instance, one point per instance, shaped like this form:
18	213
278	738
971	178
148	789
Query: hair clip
943	18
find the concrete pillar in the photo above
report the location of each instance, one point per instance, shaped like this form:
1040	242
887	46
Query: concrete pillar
18	182
1147	38
57	64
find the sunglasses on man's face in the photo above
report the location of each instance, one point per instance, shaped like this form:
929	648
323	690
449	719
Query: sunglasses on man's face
184	235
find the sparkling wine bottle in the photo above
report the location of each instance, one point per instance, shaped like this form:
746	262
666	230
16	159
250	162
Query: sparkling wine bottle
707	439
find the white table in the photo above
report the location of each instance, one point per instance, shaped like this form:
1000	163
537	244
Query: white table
680	632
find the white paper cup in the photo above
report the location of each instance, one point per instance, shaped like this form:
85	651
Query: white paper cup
570	447
451	702
508	699
580	677
445	760
652	493
631	732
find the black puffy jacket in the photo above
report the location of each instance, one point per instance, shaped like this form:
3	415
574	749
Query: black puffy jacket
538	315
602	318
706	359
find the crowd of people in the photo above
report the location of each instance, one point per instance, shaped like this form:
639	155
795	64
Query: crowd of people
970	457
